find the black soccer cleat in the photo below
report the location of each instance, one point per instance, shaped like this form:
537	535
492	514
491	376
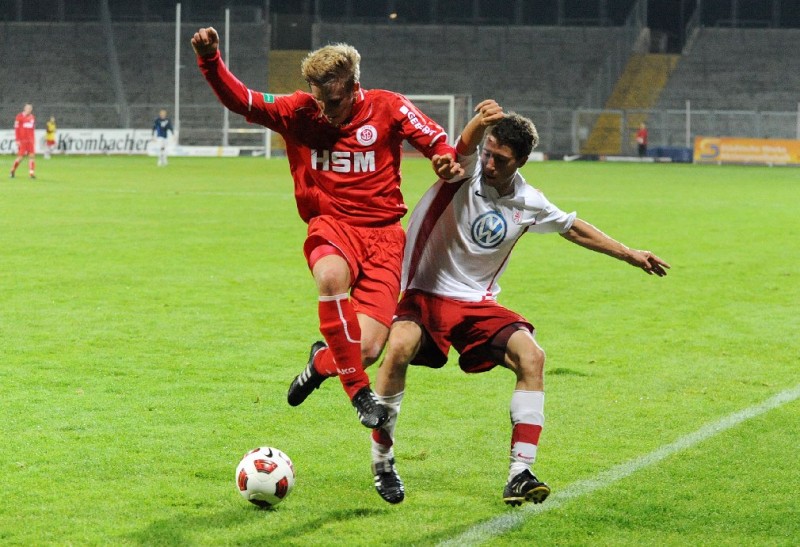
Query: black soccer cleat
308	380
371	413
11	175
525	487
33	176
388	482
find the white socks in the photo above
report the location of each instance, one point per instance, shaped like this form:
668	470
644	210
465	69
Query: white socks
527	420
383	438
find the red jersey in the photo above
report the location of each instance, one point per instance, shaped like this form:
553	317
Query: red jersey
641	136
351	172
24	126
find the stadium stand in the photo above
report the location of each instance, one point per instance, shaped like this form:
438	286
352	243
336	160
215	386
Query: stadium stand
541	72
538	71
148	72
638	90
521	67
44	70
737	69
78	78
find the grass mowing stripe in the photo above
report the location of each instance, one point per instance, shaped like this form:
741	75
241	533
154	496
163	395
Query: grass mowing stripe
499	525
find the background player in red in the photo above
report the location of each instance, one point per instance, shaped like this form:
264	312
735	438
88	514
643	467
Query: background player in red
641	140
344	146
24	126
460	237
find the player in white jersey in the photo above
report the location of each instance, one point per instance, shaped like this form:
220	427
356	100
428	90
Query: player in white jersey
460	236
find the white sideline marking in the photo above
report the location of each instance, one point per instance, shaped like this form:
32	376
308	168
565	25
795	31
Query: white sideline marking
499	525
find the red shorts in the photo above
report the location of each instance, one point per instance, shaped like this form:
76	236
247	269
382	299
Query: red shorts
25	148
479	331
375	257
50	142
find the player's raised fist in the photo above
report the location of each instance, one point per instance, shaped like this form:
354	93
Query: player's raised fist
205	41
489	111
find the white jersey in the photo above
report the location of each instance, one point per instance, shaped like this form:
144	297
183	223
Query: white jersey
461	234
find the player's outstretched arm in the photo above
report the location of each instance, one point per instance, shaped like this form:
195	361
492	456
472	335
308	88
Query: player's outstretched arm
229	90
584	234
205	42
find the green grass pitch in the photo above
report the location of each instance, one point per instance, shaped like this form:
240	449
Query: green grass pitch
151	320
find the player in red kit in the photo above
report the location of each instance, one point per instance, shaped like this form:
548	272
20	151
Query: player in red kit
344	146
641	139
24	126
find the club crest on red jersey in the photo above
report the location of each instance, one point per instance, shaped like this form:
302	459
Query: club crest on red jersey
367	135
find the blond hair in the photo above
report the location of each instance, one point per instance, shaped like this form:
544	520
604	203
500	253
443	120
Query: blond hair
332	63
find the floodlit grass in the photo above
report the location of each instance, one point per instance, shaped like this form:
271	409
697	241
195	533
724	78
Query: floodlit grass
152	319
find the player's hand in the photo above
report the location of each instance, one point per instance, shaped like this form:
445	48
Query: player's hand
649	262
205	42
446	167
489	112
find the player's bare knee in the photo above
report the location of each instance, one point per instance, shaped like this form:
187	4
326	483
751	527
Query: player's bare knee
370	352
538	355
331	281
528	364
403	344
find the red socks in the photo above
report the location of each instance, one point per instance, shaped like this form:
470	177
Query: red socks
338	323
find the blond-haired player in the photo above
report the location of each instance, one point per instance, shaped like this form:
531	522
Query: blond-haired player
344	145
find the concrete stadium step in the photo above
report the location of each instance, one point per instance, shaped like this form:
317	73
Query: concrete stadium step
284	71
638	88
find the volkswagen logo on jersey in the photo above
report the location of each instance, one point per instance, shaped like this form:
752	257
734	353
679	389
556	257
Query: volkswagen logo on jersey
489	230
367	135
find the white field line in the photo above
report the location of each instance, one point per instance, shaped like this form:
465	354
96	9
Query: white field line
497	526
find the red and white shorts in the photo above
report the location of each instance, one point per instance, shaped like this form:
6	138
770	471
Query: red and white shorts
479	331
375	258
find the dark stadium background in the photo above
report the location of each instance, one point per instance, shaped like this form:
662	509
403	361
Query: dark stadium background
668	16
733	69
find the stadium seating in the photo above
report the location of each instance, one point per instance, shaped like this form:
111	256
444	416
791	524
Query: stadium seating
148	72
737	69
542	72
64	69
47	63
521	67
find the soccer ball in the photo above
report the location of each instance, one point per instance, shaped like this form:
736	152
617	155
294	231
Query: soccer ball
265	476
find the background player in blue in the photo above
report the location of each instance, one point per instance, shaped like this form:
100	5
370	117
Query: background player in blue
162	126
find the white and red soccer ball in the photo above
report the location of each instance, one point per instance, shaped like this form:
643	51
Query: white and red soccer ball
265	476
